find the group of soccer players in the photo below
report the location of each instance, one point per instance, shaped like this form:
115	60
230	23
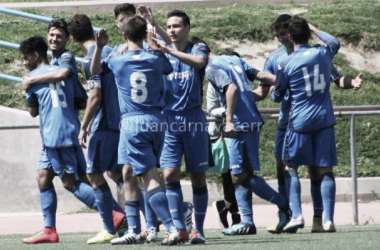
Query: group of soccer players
143	111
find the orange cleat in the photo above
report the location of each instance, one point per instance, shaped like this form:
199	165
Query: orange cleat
48	235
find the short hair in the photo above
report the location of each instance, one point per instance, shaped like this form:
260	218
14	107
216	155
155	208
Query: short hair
34	44
195	39
135	28
229	52
299	30
80	28
179	13
281	21
125	7
59	23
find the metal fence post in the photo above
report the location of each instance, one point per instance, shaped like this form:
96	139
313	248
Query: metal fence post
354	171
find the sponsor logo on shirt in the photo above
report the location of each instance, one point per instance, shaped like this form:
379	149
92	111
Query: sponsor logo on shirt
180	75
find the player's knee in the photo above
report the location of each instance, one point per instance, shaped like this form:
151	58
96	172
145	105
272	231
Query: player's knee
198	179
171	175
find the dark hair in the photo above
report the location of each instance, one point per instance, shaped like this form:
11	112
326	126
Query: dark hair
59	23
80	28
299	30
229	52
281	21
195	39
181	14
34	44
125	7
135	28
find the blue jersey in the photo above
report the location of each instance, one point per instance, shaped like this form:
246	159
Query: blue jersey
138	75
59	124
224	70
306	75
67	61
108	114
183	87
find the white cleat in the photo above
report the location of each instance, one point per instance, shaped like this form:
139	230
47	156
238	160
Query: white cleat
294	224
128	239
329	227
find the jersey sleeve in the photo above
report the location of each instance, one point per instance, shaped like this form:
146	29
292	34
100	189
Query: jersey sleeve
331	42
31	99
281	85
335	74
165	63
268	68
68	62
249	71
200	49
218	78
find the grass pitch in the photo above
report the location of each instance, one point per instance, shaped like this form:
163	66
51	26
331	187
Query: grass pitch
351	237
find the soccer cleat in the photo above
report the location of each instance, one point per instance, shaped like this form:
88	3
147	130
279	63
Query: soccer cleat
329	227
149	235
119	222
240	229
128	239
183	236
196	238
284	218
188	215
102	237
171	238
220	207
317	226
294	224
48	235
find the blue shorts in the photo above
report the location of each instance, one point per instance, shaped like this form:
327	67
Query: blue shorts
141	140
81	161
61	160
313	149
187	135
244	152
102	152
279	144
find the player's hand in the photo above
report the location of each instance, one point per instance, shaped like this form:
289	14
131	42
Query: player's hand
357	82
82	137
101	38
160	45
147	14
229	129
26	83
149	39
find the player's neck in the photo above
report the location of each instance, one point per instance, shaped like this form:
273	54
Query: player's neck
181	46
57	53
87	44
135	46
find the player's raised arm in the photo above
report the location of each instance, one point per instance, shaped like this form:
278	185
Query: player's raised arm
331	42
101	41
55	76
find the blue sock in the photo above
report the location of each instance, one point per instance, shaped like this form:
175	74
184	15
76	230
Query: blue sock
150	215
175	200
328	190
200	199
293	187
132	208
103	199
84	192
316	195
48	201
159	203
261	188
243	195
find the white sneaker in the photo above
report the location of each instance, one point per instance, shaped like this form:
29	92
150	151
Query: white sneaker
294	224
128	239
188	215
151	235
171	237
329	227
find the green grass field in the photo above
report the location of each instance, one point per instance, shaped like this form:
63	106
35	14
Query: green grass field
347	238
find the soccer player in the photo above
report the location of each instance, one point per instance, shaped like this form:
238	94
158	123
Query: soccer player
138	75
309	139
186	133
54	103
101	121
57	37
232	76
280	29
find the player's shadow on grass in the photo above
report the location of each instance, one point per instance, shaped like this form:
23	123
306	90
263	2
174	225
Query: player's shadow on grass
247	239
